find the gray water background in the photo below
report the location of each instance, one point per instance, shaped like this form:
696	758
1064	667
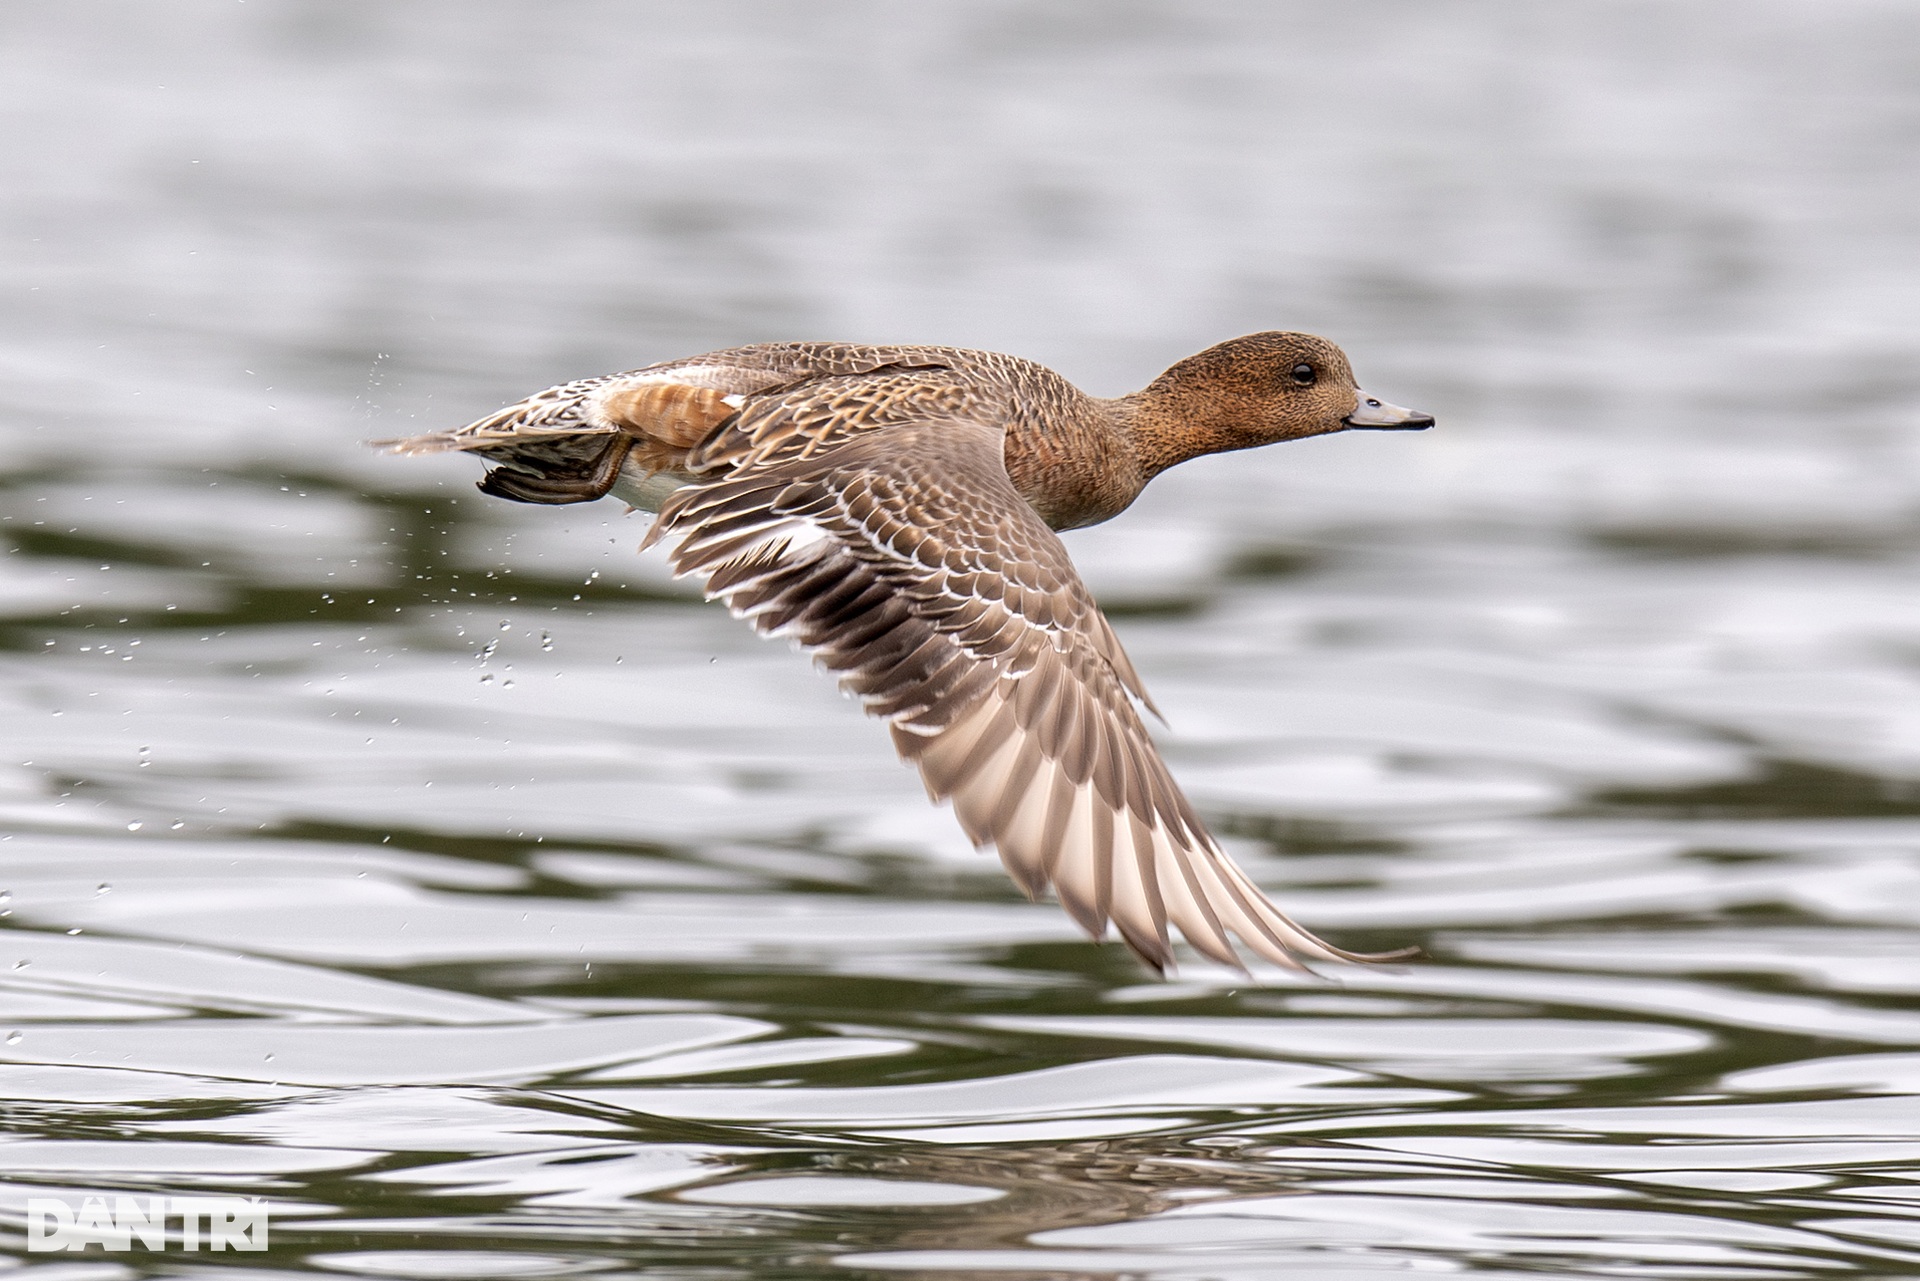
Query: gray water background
438	869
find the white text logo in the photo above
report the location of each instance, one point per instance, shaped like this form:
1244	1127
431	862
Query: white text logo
209	1222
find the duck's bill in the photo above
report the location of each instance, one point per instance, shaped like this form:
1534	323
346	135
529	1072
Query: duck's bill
1375	414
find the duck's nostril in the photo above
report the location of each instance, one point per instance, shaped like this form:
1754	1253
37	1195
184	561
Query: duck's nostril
1372	403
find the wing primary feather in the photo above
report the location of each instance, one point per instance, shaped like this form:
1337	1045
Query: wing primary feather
979	794
1187	903
1077	867
1021	768
1231	910
943	758
1138	912
1019	822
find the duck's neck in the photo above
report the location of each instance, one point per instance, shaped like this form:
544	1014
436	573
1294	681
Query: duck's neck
1087	464
1165	423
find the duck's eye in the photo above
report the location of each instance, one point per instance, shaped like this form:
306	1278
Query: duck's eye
1303	374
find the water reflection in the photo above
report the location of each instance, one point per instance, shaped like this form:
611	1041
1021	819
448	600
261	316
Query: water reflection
444	873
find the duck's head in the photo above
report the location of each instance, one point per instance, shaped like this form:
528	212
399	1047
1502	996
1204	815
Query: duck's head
1270	387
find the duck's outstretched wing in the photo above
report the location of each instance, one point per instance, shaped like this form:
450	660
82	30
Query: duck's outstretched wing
908	564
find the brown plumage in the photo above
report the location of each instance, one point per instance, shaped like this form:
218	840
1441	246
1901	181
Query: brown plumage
892	510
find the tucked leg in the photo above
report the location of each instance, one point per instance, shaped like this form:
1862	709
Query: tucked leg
559	485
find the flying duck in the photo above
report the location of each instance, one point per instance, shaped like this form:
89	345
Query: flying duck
893	511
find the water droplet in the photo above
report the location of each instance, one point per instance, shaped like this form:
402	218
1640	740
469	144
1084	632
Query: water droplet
546	641
178	823
14	1038
103	888
133	826
73	931
269	1058
486	678
505	625
22	964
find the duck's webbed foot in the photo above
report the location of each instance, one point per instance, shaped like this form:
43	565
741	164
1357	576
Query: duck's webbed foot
558	482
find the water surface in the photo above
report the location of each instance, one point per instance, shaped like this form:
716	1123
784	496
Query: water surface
438	869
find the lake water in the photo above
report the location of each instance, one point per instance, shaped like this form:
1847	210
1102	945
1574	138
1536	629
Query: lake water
439	870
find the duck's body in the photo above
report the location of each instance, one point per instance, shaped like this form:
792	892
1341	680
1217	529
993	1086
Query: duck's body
893	509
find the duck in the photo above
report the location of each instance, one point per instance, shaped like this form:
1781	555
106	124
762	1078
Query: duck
895	512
